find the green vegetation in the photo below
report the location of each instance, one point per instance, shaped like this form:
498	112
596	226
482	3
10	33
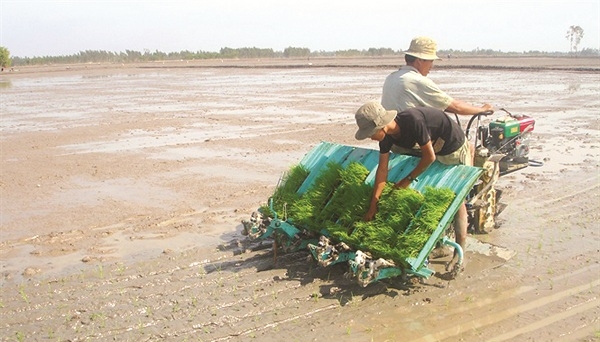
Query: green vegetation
4	57
405	221
423	225
306	211
286	191
338	198
574	35
23	294
131	56
349	201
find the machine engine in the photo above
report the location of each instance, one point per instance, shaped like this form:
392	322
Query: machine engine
501	147
508	136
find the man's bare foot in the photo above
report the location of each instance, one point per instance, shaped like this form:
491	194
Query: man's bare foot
454	268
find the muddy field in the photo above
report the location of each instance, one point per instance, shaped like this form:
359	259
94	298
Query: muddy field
123	188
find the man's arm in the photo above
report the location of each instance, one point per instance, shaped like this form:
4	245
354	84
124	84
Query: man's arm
380	180
463	108
427	158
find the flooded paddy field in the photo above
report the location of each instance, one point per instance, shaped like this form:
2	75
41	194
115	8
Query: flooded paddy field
123	189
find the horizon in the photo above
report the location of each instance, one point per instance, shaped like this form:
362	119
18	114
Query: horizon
396	52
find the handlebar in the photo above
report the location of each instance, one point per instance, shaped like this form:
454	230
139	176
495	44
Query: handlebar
485	113
477	117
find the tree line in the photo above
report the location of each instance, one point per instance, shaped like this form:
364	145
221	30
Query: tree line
131	56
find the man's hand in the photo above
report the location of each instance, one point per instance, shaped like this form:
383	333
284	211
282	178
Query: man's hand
487	107
370	215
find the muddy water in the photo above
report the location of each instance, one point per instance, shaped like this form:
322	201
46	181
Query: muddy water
557	99
55	103
127	180
160	126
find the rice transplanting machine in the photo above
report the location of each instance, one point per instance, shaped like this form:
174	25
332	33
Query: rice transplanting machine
501	147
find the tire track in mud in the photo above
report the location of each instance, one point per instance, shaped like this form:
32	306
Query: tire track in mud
236	292
583	295
172	288
574	192
169	307
570	204
538	306
572	197
569	299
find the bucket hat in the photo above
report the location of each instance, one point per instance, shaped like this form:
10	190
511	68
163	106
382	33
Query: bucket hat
423	48
370	118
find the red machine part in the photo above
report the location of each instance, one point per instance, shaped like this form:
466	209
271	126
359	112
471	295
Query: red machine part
525	122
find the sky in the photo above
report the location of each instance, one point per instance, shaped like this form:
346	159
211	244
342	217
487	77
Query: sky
57	28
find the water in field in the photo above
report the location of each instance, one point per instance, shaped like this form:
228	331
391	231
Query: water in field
155	155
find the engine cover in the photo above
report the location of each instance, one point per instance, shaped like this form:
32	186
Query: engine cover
506	127
508	134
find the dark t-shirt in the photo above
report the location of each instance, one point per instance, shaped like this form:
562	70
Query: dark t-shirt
422	124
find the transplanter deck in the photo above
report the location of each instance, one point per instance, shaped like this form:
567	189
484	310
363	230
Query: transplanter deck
291	235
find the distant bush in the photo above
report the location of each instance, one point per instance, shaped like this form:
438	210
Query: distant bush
131	56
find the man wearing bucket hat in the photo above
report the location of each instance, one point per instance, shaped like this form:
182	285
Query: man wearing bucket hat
410	87
438	136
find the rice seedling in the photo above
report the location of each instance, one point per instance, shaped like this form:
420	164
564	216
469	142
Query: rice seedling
337	199
100	270
20	336
351	198
23	294
306	211
286	191
120	269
